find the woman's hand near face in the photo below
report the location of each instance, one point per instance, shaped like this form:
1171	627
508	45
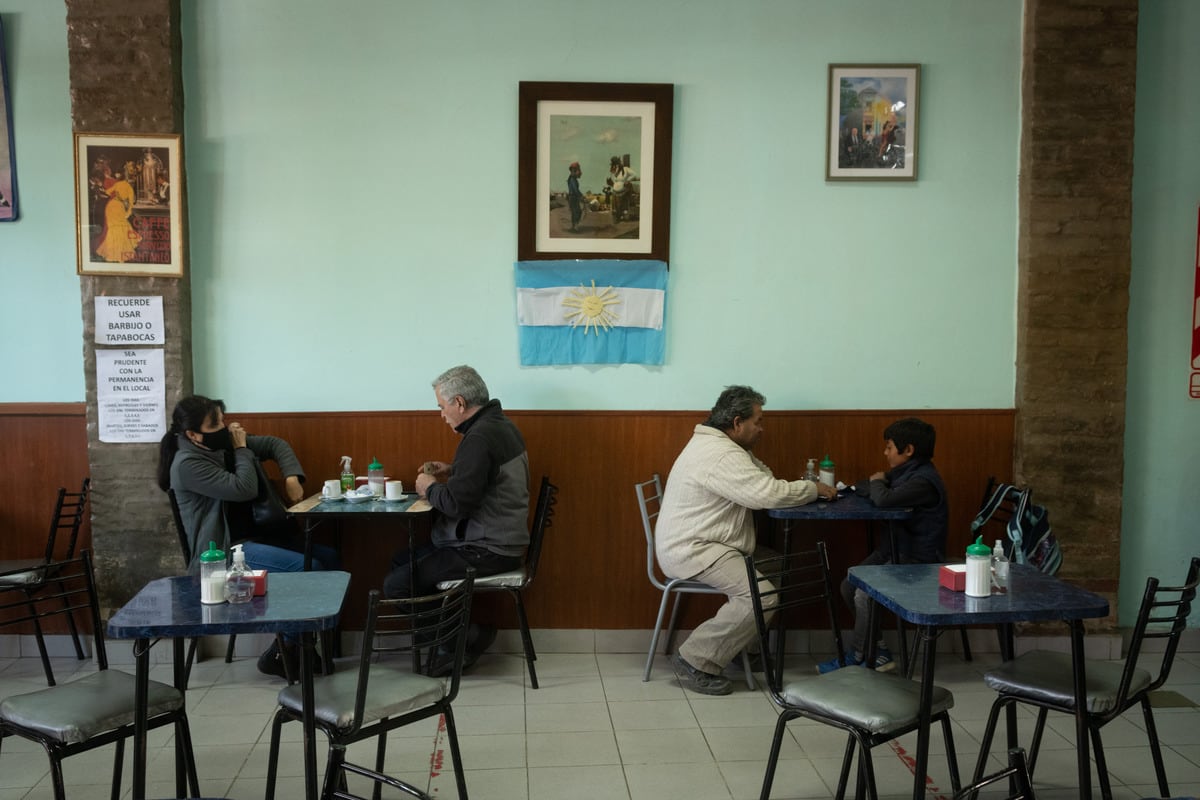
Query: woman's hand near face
237	434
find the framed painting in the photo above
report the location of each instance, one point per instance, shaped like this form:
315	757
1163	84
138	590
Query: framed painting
871	131
8	164
594	170
128	215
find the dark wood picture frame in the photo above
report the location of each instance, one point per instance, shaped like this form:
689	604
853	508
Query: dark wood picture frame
8	158
614	223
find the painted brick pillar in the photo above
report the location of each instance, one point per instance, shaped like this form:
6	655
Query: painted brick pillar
125	77
1076	162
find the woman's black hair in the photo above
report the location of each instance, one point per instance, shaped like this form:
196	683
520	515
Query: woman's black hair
190	415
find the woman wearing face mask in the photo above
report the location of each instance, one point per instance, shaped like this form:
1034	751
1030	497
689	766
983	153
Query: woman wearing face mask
210	465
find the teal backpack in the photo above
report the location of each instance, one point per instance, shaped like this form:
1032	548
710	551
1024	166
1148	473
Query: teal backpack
1031	541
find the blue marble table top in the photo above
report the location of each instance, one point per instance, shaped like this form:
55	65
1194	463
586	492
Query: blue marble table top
913	593
314	505
295	602
848	506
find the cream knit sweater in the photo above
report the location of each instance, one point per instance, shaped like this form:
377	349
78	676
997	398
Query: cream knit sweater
706	510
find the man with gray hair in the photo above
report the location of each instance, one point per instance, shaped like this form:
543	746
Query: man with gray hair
480	502
706	526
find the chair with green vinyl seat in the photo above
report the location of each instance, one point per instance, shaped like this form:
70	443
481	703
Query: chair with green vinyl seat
1045	680
384	693
870	707
97	709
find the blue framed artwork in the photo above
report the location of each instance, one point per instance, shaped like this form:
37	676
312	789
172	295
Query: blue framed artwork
8	166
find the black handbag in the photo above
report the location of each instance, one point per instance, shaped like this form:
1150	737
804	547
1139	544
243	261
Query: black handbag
266	507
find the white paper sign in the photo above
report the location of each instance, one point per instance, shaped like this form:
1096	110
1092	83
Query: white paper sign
129	321
131	395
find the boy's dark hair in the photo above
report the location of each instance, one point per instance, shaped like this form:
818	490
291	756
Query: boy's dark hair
910	430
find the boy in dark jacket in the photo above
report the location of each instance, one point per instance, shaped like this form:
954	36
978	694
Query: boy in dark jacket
912	481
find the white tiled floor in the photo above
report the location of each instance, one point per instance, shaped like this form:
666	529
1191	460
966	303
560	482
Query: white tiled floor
594	730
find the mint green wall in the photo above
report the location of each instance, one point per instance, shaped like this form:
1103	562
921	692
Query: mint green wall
352	190
41	328
1162	424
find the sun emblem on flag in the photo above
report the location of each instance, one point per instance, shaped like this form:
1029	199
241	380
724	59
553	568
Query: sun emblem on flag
592	308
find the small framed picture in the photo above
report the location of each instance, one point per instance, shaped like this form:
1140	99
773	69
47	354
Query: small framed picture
128	219
872	127
594	170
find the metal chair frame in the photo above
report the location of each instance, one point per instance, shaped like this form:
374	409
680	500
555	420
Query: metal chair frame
76	594
1163	614
1017	773
516	581
801	579
394	629
32	576
676	586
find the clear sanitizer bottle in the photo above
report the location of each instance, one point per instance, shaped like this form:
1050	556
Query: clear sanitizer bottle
239	583
1000	565
810	470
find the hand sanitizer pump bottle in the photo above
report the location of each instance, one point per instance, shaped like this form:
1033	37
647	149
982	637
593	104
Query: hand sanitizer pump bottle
239	583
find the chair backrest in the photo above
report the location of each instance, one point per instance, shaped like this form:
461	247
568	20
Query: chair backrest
649	497
396	627
185	546
68	516
781	583
542	519
1163	615
73	595
1017	770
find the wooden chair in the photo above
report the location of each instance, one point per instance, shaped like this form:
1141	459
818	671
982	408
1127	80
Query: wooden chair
31	576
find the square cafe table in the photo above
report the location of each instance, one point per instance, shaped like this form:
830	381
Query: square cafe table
315	510
849	507
303	603
913	593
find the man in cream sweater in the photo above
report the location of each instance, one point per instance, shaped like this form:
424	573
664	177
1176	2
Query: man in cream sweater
706	526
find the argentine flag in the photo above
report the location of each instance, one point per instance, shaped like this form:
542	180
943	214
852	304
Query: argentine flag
591	311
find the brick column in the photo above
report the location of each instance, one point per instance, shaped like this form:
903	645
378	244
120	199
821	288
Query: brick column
1076	162
125	78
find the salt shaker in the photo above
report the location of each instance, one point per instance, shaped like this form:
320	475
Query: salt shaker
979	569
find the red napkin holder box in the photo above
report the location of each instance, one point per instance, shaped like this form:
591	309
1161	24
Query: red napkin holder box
953	577
260	581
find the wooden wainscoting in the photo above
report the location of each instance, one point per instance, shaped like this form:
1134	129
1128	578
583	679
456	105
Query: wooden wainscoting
593	569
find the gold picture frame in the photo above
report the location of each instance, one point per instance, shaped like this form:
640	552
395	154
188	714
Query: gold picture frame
128	204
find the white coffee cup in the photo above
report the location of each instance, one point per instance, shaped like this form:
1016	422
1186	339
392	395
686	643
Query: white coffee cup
332	489
393	490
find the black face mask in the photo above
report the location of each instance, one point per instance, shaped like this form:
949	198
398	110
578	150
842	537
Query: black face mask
217	440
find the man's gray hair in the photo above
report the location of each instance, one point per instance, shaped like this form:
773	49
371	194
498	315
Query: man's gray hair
734	402
462	381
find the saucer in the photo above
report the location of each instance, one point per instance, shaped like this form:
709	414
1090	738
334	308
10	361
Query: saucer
327	499
399	499
359	498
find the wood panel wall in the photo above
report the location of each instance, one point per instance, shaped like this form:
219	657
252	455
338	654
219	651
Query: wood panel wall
593	569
